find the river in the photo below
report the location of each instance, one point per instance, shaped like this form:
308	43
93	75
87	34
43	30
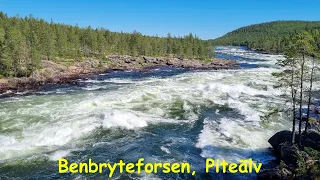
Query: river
163	115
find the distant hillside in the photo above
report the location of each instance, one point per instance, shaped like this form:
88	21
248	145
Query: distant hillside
270	36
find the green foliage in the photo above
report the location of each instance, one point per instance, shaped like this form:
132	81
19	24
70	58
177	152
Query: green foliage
301	162
314	154
271	36
295	72
313	166
24	41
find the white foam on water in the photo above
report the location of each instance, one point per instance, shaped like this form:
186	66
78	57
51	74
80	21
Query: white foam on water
237	51
244	137
125	119
146	176
166	150
59	154
46	123
221	137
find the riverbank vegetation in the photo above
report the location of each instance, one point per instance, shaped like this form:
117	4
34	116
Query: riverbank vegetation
298	150
300	69
270	37
26	41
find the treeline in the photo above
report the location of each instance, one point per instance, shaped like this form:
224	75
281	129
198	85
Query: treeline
271	36
26	41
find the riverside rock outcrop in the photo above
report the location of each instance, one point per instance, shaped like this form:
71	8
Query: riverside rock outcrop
55	73
294	162
129	62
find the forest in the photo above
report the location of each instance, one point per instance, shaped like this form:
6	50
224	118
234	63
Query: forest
270	37
26	41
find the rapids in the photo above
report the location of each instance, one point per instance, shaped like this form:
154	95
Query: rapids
171	115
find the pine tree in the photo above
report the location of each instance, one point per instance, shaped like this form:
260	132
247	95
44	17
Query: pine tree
133	43
303	42
34	51
169	44
18	52
288	79
4	64
311	81
61	41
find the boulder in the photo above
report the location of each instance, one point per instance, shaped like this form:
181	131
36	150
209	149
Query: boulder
293	160
169	63
312	140
280	172
128	61
52	65
43	74
270	174
289	154
282	140
4	85
279	138
77	70
20	84
160	60
88	64
180	58
149	59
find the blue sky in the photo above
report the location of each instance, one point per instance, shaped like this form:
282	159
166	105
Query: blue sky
206	18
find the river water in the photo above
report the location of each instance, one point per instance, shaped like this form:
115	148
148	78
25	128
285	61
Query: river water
163	115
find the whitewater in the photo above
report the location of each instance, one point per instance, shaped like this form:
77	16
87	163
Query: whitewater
163	115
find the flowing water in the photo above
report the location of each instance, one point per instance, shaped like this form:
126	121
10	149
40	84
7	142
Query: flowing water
164	115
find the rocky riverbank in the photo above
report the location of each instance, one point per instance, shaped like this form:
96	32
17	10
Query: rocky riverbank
55	73
294	162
